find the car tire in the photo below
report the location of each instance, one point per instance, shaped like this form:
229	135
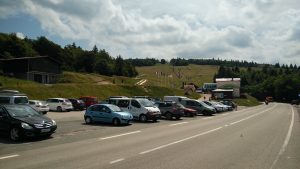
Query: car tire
14	134
178	117
59	109
143	118
116	122
168	116
88	120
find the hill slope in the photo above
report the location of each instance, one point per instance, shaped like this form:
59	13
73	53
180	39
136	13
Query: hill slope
169	76
77	84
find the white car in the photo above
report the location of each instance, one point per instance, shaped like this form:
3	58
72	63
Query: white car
59	104
141	109
40	106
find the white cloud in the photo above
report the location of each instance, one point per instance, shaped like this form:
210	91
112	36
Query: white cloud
259	30
20	35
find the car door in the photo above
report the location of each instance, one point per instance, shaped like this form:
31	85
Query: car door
4	121
96	113
135	108
106	114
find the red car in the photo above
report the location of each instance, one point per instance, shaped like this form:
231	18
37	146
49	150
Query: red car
89	100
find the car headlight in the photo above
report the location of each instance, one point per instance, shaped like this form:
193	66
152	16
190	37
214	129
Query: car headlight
26	126
53	122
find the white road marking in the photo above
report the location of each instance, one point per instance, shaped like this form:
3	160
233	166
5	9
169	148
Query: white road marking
224	114
11	156
119	135
179	141
286	141
118	160
207	118
175	124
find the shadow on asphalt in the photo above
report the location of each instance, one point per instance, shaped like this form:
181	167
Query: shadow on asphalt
5	139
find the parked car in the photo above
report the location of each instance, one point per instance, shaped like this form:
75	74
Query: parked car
229	103
89	100
77	104
199	106
176	99
186	111
170	110
107	113
12	97
59	104
19	121
141	109
40	106
219	107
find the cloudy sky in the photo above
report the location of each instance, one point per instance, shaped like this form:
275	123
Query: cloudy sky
265	31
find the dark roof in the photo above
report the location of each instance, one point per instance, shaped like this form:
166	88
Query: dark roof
30	58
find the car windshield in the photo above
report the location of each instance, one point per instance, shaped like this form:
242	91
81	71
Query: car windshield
114	108
146	103
21	111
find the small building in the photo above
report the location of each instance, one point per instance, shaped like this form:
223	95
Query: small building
230	83
42	69
222	93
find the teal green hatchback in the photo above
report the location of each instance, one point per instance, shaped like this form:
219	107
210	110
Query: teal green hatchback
106	113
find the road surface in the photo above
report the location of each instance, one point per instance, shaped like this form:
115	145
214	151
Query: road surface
262	137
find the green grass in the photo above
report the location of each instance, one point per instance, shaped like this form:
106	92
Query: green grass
72	77
173	77
74	90
247	101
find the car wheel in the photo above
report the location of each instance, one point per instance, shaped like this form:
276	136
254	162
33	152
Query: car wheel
59	109
88	120
178	117
143	118
116	122
168	116
14	134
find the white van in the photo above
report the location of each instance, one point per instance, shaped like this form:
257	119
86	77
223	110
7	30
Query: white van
141	109
176	99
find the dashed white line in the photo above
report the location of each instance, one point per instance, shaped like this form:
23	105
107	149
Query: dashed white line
118	160
175	124
179	141
286	141
11	156
119	135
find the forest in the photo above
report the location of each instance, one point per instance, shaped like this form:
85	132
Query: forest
280	82
72	57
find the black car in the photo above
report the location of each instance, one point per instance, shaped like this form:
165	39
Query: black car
77	104
19	121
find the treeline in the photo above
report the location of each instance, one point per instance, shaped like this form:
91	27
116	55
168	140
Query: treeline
72	57
230	63
280	82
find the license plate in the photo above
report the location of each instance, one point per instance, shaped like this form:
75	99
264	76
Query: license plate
45	130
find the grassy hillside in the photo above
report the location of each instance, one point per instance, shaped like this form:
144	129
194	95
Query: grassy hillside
174	76
76	84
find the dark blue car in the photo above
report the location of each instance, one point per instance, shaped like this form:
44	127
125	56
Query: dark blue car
106	113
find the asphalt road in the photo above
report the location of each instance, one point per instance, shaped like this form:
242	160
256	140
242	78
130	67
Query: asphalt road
262	137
